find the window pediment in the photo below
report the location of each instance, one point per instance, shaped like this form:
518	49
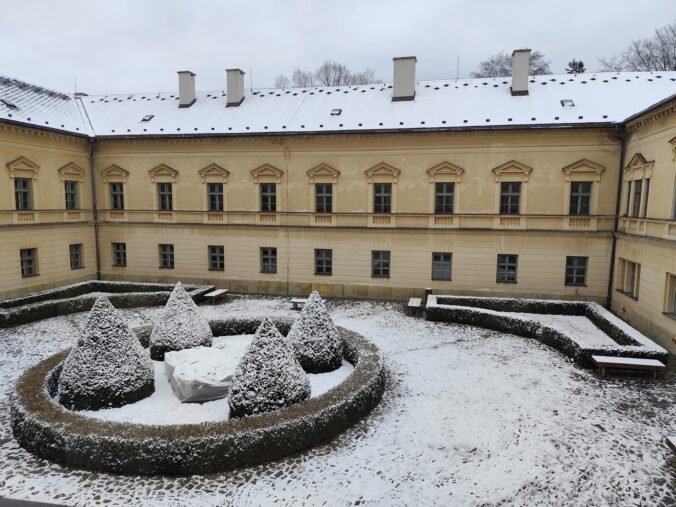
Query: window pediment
23	168
445	170
382	169
323	170
163	172
586	167
267	171
214	171
639	167
512	169
114	173
71	172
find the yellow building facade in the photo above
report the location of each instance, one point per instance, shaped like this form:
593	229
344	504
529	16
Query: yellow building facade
514	212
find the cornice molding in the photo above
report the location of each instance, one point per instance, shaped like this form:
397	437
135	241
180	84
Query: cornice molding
114	174
45	134
267	170
584	166
23	167
512	168
446	169
72	172
652	117
382	169
323	170
162	171
214	170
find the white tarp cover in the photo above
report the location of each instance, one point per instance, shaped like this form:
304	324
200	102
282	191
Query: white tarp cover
201	373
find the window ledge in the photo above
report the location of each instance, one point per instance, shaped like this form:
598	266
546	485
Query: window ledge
442	279
118	265
505	281
380	276
79	267
216	269
268	272
30	276
165	267
575	285
628	294
670	315
323	274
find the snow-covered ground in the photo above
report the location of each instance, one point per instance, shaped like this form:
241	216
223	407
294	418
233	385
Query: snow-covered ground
469	417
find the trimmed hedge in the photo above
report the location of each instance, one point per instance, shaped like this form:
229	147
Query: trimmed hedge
49	431
57	302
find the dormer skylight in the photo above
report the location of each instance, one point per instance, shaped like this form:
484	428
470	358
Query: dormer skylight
336	112
9	104
567	103
148	117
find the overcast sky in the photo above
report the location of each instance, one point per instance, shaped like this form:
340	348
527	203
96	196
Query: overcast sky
138	45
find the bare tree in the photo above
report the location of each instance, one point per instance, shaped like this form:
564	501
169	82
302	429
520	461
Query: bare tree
330	73
500	65
575	67
282	81
654	53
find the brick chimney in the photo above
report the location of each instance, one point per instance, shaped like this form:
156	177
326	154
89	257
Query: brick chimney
403	83
235	91
186	88
520	63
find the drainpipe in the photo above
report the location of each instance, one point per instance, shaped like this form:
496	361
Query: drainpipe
94	208
621	134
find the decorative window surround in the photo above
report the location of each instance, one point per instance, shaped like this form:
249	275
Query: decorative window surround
583	170
71	172
163	174
512	171
114	174
445	172
638	168
382	173
267	174
323	173
23	168
213	173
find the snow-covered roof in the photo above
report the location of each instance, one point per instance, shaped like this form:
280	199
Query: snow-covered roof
601	98
26	103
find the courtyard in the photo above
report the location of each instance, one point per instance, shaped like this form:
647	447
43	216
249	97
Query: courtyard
469	417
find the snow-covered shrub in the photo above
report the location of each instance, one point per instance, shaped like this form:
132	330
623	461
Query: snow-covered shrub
180	326
314	337
268	377
107	367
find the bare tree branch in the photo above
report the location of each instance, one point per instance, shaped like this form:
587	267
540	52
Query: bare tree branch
500	65
655	53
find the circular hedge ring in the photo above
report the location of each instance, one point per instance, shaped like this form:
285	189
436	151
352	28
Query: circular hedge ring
52	432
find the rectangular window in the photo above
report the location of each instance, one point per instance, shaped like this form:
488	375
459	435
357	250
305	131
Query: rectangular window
638	185
71	194
268	197
323	197
268	260
646	192
119	254
443	198
580	197
165	196
29	262
215	191
510	197
380	263
576	270
628	210
507	268
216	258
116	196
23	194
670	303
441	265
75	256
166	256
323	262
382	197
629	278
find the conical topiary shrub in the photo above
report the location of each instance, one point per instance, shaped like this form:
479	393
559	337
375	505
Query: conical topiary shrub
315	339
107	367
268	377
180	326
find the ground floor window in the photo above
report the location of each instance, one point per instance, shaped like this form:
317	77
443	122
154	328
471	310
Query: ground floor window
380	263
75	256
441	265
670	302
216	258
629	274
323	262
29	262
268	260
576	270
507	268
119	254
166	256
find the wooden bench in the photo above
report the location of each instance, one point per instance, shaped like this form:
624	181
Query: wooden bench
298	303
628	363
215	295
671	442
414	306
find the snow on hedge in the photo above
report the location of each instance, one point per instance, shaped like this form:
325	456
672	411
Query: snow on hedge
269	376
180	326
314	337
107	367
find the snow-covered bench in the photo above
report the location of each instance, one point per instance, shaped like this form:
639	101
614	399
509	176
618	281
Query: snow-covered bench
414	306
217	294
671	442
628	363
298	303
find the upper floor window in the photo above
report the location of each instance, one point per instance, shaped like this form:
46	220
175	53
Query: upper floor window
71	194
576	270
29	262
510	197
323	198
580	197
116	196
382	197
441	265
507	268
165	196
75	252
23	195
166	256
443	197
215	191
638	188
268	197
646	195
